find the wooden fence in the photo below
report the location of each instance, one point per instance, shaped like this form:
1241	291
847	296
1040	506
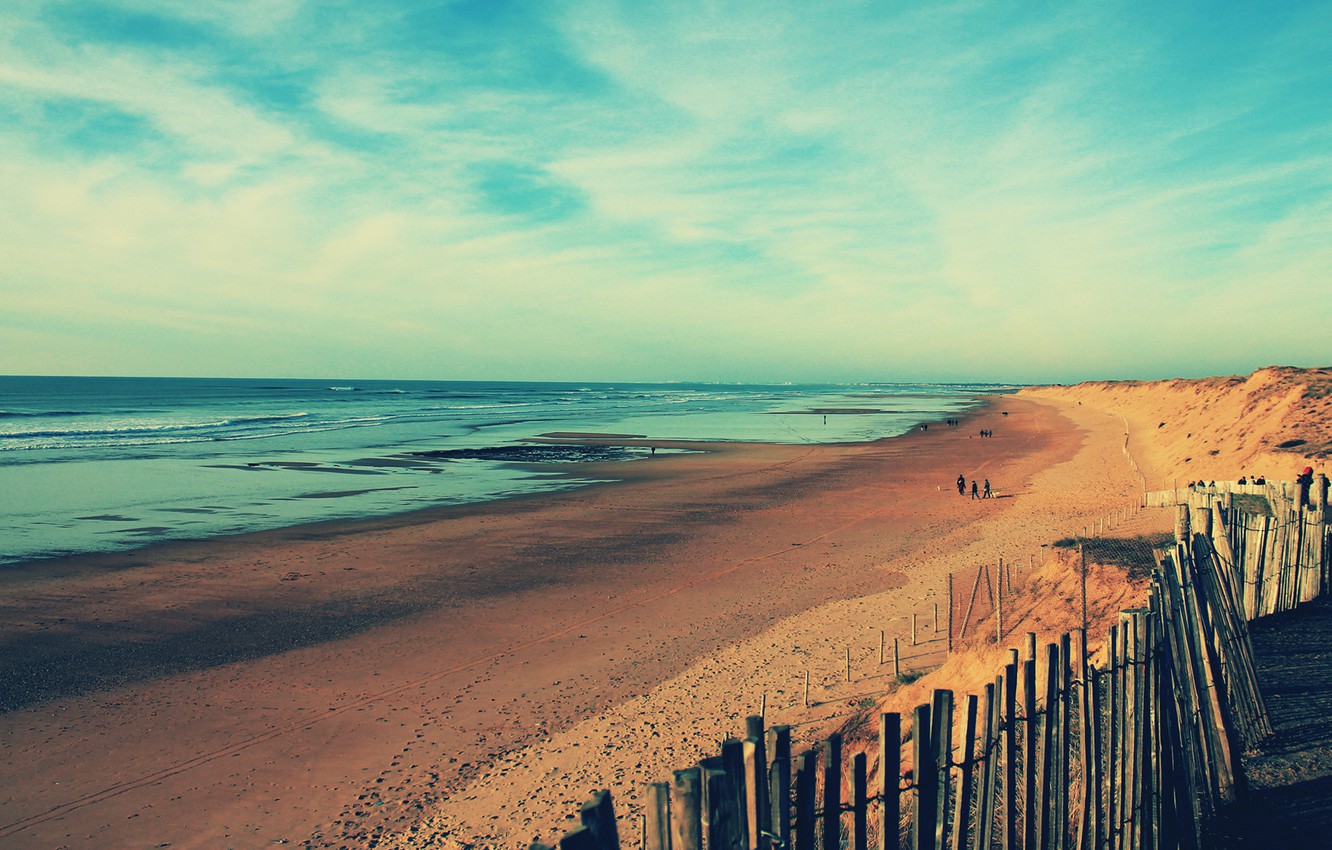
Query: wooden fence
984	597
1133	746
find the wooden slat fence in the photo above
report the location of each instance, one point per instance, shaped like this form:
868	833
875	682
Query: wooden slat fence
1137	751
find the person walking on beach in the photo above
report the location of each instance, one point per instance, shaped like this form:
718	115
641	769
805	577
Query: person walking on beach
987	495
975	494
961	486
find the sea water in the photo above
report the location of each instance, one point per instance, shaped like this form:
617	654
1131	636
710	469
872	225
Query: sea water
106	464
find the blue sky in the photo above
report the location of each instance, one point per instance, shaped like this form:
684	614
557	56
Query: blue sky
751	191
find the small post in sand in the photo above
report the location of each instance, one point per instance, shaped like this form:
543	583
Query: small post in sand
1082	562
950	613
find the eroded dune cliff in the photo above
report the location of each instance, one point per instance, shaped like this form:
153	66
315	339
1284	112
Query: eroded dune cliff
1271	423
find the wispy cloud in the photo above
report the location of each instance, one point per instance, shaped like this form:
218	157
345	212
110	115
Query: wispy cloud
598	189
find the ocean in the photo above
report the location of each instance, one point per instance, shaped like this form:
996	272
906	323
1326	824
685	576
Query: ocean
111	464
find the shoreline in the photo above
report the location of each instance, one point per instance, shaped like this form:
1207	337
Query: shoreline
586	471
561	606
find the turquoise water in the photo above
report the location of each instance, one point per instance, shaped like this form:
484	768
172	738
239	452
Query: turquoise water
106	464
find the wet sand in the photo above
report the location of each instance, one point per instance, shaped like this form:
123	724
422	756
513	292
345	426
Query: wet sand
340	684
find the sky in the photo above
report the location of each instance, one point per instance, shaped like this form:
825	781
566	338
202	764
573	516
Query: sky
647	191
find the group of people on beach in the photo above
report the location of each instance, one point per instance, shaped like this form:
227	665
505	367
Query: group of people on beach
975	488
986	432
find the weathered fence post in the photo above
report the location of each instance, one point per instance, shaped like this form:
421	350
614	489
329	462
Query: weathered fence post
990	752
1010	756
967	749
657	829
733	762
1086	720
721	815
757	812
1113	745
686	809
598	816
950	613
926	778
832	792
1045	826
941	740
890	781
1029	751
1062	732
804	782
579	838
860	802
779	782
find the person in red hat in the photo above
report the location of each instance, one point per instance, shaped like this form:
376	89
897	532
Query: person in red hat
1304	482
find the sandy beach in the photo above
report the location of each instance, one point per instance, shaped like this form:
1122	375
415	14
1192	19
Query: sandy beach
467	676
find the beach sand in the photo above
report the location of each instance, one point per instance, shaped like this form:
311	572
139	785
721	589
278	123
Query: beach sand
467	676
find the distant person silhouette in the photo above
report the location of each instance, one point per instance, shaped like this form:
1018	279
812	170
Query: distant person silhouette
961	486
975	492
987	489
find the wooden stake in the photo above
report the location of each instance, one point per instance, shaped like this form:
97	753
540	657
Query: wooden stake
890	783
1082	562
967	751
804	782
989	767
1010	837
686	810
950	613
926	775
832	792
860	802
941	741
657	820
779	783
756	811
1029	750
966	618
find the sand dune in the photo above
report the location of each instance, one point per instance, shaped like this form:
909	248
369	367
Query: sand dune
1271	423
